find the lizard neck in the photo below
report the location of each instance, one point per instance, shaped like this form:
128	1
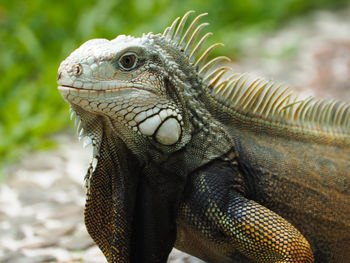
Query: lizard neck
132	202
109	202
209	143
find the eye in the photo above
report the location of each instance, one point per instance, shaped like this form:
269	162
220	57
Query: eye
128	61
77	70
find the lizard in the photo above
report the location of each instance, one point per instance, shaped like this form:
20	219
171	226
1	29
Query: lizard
225	166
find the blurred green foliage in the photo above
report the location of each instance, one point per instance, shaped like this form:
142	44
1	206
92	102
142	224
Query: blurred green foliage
36	35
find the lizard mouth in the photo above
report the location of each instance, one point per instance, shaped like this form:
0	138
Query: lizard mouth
67	88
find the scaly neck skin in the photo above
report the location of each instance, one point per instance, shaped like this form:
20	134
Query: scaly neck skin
125	198
108	200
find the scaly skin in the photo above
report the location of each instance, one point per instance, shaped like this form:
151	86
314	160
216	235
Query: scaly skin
227	169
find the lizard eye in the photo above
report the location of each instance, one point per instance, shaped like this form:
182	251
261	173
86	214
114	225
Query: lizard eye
128	61
77	70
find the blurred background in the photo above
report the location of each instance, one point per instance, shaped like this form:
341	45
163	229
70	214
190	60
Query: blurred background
303	42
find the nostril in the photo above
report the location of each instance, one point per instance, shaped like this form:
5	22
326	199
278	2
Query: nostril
59	75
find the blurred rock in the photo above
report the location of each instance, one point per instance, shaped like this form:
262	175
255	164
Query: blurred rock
18	257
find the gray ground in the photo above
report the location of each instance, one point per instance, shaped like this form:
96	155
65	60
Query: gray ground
41	204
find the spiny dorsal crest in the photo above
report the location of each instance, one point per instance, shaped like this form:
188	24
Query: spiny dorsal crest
264	100
255	97
188	43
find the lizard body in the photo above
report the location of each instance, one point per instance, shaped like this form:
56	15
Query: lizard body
224	166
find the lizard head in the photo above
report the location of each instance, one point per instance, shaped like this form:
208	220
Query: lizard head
125	80
142	85
137	100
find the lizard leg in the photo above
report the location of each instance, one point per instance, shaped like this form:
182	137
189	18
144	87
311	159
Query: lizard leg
255	231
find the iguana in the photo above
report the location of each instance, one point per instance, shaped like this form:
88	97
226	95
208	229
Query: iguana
224	166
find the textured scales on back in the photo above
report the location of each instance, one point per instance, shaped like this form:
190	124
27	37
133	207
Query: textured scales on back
227	167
